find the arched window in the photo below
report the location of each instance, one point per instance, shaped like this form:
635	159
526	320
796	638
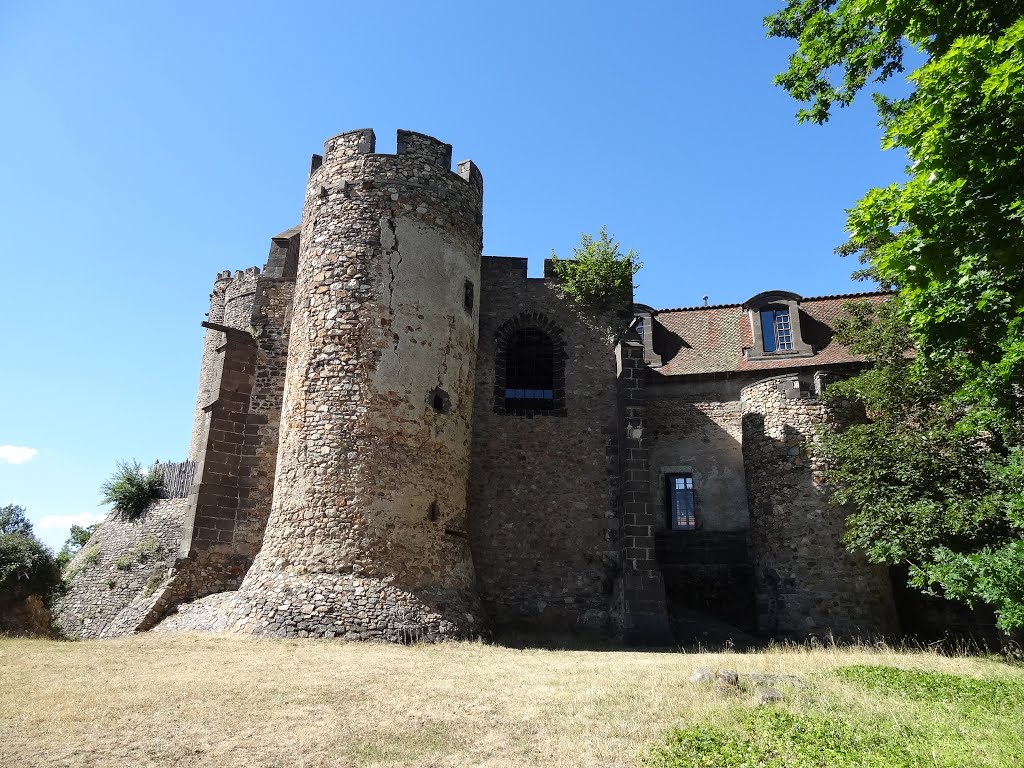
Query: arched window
529	371
529	366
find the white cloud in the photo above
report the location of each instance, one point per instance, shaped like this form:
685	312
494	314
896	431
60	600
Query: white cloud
16	454
66	521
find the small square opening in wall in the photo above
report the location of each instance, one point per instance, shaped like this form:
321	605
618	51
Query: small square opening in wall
439	400
467	296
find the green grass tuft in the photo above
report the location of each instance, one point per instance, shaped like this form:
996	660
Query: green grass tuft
965	694
775	738
865	717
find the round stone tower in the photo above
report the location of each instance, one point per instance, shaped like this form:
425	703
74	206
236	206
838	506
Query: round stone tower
367	532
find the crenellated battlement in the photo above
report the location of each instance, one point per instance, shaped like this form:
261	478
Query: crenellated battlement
419	146
415	152
349	146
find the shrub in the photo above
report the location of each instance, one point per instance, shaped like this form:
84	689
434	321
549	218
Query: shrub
27	567
131	490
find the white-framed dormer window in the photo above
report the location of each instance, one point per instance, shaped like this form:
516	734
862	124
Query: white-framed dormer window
775	326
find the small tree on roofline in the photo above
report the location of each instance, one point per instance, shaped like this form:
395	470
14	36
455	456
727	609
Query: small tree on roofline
599	274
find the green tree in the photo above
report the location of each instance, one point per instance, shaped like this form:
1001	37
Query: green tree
599	274
945	443
14	520
27	567
925	489
79	538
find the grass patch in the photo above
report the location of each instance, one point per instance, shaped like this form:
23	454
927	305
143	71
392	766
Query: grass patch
151	585
149	548
187	700
964	694
125	562
877	717
90	556
776	738
144	550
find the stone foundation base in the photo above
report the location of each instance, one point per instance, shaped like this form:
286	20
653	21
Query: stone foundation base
285	604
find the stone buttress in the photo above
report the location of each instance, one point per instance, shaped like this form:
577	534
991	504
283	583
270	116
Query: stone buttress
367	531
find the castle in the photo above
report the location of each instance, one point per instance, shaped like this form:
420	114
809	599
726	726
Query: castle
398	438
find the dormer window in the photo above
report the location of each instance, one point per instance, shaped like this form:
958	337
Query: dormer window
775	327
643	324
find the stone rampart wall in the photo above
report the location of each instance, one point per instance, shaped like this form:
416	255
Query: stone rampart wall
209	367
544	517
116	575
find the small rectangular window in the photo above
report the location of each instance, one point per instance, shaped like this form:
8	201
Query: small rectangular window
680	503
640	327
467	296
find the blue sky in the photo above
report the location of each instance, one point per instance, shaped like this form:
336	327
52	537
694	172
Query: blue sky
146	146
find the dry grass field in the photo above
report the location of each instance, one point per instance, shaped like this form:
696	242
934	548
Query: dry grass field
190	700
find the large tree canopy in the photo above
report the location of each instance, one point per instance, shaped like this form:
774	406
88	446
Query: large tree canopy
936	477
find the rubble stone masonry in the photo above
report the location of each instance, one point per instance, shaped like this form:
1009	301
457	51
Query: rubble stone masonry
361	470
367	533
807	582
545	526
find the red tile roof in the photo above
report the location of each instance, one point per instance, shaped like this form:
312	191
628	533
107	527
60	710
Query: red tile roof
712	339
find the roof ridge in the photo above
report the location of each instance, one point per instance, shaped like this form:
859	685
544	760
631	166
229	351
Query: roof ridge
802	300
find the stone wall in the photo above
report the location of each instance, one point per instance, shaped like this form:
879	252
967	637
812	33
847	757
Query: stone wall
544	516
807	582
367	532
114	579
696	427
236	434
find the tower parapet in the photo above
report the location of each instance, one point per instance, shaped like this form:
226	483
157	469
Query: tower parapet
367	531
